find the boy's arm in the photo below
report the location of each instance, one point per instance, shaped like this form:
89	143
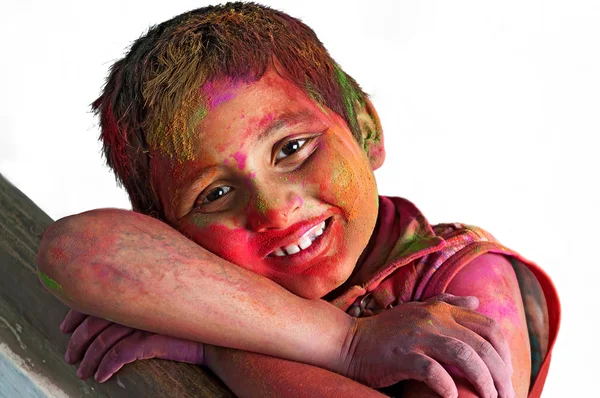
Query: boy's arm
137	271
491	278
249	374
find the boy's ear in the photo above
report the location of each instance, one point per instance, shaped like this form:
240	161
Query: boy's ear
372	133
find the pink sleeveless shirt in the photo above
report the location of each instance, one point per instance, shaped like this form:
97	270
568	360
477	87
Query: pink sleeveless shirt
407	259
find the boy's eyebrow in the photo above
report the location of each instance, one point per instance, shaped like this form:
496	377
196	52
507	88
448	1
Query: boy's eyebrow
282	120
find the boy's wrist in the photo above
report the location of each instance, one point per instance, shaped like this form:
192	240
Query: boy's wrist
327	345
330	344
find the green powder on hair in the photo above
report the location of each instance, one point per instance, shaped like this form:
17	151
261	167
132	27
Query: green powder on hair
315	96
350	96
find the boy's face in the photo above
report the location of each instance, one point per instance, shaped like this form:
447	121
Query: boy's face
270	167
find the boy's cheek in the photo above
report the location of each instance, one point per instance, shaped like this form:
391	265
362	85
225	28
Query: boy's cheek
342	180
231	244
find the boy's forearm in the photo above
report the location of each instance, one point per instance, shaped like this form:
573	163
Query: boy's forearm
138	271
249	374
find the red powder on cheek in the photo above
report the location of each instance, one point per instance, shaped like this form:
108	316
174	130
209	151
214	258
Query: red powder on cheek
231	244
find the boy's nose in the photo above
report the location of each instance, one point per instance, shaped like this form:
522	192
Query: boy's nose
276	212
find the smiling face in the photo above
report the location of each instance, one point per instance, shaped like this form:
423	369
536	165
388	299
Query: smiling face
271	170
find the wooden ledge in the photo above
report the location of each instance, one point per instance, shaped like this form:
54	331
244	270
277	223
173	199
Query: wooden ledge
31	345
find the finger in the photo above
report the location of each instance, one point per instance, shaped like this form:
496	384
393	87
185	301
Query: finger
99	347
490	331
430	372
125	351
176	349
468	302
472	364
71	321
82	337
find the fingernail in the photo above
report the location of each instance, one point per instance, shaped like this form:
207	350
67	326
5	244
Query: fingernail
80	373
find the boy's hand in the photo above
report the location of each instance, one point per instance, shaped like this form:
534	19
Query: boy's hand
106	346
414	340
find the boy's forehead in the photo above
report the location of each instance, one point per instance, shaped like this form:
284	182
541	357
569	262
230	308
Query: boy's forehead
239	112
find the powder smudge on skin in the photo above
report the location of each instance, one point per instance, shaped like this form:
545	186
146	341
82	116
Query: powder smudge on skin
261	204
341	179
50	283
200	221
215	97
240	158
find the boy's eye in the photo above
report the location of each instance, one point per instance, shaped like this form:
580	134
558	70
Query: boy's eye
216	193
290	147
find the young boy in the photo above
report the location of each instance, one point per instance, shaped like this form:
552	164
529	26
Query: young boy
234	126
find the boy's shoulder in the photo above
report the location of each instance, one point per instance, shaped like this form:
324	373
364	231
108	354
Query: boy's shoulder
413	260
407	253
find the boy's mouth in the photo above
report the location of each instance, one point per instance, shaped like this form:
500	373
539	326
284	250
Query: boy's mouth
304	242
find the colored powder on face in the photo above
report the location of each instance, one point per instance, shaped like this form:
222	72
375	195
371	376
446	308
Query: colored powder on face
217	92
219	99
200	221
340	180
261	204
49	282
240	158
430	322
197	117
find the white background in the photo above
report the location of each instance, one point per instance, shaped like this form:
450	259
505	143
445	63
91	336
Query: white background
490	112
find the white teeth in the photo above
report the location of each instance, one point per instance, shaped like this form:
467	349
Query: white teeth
304	242
292	249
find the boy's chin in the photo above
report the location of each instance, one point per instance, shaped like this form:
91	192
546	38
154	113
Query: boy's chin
320	286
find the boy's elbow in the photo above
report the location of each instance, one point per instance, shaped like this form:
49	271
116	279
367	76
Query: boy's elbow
63	244
50	244
50	268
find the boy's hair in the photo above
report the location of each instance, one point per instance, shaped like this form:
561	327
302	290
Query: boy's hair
152	101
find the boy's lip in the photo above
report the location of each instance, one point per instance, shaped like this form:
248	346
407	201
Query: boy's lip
306	259
269	241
